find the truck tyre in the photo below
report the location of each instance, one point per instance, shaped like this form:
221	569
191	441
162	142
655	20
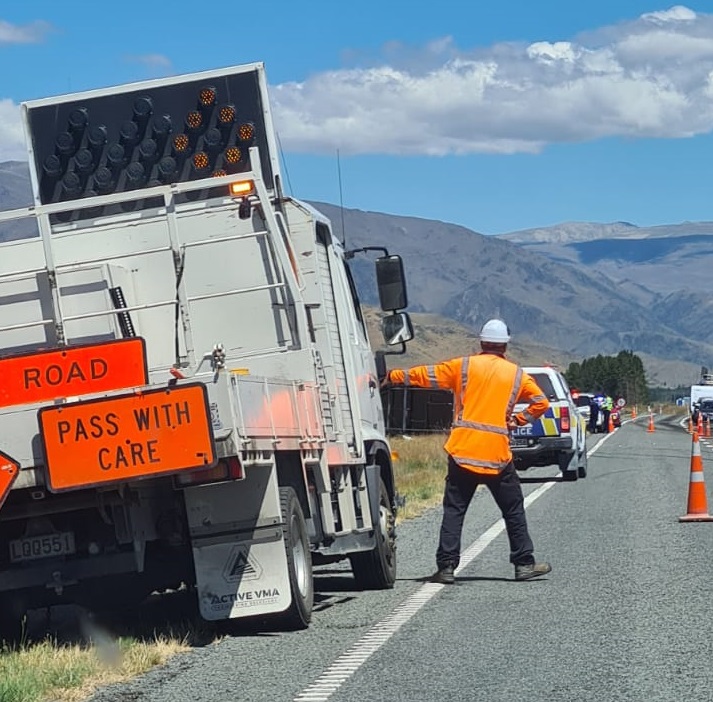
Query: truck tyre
376	569
566	462
583	461
299	561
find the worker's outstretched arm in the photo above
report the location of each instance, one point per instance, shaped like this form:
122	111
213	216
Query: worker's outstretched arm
440	375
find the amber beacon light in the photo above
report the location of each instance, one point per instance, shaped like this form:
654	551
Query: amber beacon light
242	188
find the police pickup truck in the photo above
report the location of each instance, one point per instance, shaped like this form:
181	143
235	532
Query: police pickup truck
559	436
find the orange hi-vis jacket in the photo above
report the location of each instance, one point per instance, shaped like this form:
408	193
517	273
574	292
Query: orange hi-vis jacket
486	388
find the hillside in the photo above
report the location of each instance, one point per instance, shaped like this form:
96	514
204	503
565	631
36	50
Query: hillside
465	276
438	338
572	232
652	263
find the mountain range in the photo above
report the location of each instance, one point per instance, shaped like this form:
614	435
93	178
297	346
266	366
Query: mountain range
662	259
568	291
546	291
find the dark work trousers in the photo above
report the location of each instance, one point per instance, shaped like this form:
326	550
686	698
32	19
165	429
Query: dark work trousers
605	420
459	491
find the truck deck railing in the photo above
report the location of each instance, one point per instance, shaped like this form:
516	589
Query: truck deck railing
276	240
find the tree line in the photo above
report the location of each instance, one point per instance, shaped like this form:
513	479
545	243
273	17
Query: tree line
618	376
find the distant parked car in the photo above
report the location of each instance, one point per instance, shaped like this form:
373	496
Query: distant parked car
583	400
706	408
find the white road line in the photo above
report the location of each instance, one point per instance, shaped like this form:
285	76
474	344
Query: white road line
596	446
353	658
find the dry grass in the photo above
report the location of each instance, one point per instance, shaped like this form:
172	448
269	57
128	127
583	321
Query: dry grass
420	469
70	672
657	408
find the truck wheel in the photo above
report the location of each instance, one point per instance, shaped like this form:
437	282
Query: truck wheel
376	569
568	472
299	561
582	469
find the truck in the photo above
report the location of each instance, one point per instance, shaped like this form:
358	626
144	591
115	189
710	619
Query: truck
704	389
189	397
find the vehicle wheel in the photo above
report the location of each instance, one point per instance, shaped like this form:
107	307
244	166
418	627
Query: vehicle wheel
569	473
583	461
299	561
376	569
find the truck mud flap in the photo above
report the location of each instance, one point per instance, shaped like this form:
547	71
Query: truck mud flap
238	546
241	579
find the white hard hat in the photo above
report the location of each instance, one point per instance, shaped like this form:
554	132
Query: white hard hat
495	331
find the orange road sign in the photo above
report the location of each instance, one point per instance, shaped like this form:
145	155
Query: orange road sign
9	470
72	370
127	437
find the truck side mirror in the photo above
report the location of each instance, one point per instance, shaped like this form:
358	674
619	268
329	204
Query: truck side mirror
397	328
391	282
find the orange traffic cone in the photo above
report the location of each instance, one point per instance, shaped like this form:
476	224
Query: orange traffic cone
633	412
699	426
610	427
708	428
690	425
697	499
651	424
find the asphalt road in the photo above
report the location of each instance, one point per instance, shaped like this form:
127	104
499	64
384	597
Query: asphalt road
623	616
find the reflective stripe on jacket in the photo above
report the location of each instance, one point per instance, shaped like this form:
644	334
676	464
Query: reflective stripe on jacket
485	388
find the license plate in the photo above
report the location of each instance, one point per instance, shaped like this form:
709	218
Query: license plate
518	443
33	547
71	371
127	437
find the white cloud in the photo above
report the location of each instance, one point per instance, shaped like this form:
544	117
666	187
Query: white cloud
649	77
677	13
559	51
12	141
32	33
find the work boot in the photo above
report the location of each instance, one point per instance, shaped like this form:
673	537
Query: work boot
444	576
531	570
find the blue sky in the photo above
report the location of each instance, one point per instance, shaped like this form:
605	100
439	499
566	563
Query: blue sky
497	116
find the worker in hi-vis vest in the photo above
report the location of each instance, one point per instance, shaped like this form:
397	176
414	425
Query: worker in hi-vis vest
486	386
